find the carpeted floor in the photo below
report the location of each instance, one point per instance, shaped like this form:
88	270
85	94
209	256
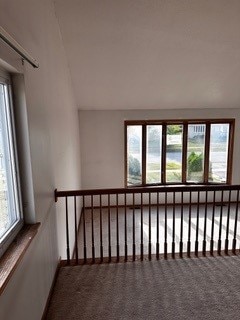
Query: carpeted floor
197	288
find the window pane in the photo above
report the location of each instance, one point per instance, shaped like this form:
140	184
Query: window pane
195	152
154	153
218	152
9	211
134	155
174	153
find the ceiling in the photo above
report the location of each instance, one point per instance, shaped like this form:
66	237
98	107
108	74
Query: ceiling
152	54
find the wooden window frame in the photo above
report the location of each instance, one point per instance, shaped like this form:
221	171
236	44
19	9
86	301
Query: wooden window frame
184	123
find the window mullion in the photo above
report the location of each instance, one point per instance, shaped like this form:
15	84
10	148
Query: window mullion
164	143
230	152
126	155
184	152
144	151
206	153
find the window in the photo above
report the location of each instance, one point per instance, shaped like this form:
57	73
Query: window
178	152
10	205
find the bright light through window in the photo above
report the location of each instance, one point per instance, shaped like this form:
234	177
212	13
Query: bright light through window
9	200
179	152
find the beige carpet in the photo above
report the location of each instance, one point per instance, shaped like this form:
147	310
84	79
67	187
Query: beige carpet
197	288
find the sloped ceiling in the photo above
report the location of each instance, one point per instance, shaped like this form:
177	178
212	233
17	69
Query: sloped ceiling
156	54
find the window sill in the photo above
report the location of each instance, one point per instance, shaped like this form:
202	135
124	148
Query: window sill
14	254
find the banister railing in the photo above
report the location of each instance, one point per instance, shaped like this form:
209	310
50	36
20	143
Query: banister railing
162	189
141	221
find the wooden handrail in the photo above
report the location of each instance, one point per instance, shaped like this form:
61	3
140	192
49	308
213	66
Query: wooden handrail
140	190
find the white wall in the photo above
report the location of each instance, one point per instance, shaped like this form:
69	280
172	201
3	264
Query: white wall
54	147
102	141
